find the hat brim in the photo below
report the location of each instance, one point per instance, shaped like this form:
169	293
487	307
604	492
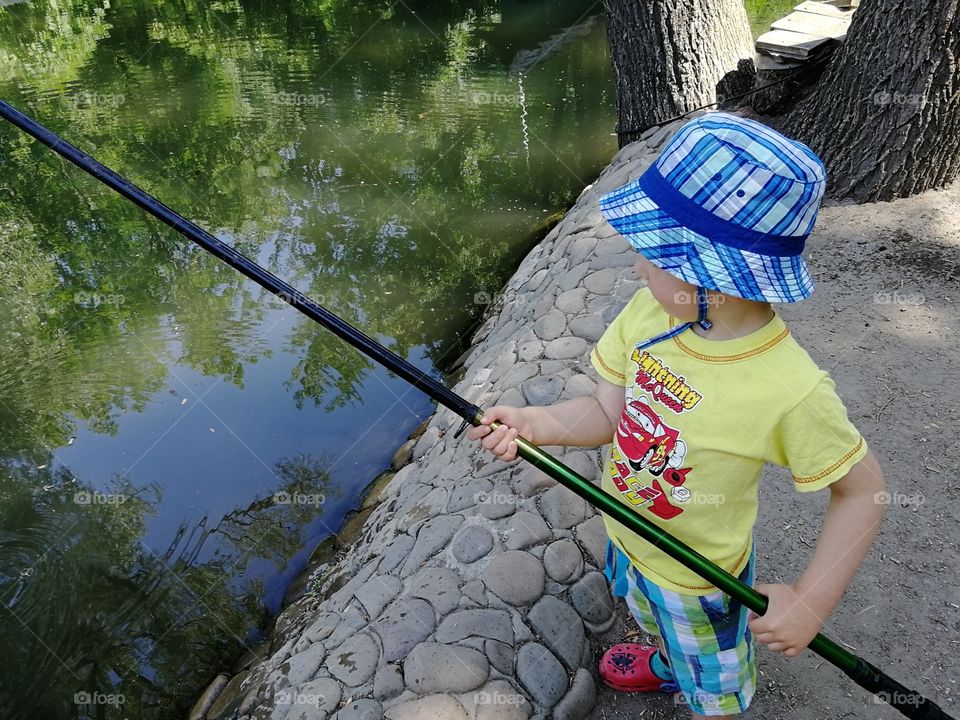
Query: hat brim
697	259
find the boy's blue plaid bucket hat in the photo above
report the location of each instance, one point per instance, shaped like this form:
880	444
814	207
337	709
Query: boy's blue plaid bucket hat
727	206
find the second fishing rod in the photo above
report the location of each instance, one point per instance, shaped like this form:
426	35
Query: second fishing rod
909	702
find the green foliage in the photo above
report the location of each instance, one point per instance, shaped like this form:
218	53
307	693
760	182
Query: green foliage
764	12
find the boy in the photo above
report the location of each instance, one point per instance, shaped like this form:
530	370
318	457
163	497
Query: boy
700	384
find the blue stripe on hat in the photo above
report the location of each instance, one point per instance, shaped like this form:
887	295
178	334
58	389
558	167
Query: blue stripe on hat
788	222
678	251
725	232
693	160
774	269
760	204
740	272
777	149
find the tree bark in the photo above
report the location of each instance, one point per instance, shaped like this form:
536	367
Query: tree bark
673	56
885	118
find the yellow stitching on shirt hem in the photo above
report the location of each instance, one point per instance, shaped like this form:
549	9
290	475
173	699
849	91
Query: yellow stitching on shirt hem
732	358
832	468
607	367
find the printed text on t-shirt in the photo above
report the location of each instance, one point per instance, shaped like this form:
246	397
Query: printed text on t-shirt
664	386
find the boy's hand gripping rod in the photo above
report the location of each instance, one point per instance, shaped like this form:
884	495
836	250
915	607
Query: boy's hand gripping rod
909	702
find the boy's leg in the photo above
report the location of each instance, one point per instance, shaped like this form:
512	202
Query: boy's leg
637	667
644	616
709	647
633	667
658	622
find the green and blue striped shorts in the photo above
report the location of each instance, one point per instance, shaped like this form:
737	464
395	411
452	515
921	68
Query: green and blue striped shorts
708	644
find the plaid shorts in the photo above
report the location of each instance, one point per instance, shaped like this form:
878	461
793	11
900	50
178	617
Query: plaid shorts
708	643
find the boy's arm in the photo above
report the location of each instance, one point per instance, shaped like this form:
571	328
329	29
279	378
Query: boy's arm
797	612
583	422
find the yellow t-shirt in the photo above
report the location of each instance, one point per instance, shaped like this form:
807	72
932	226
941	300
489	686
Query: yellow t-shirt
701	418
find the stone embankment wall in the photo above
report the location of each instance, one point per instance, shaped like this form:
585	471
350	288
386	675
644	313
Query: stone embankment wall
475	585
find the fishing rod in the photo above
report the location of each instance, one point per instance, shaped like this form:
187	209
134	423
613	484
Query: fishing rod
909	702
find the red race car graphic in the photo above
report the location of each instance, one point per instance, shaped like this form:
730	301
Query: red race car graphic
643	442
646	441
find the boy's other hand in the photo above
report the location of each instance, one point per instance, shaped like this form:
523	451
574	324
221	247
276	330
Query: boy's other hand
789	623
502	441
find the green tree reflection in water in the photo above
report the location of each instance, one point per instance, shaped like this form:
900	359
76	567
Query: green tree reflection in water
384	161
151	620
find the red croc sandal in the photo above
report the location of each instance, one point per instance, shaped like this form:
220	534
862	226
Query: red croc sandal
626	667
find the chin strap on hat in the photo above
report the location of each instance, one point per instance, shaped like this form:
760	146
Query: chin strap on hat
673	332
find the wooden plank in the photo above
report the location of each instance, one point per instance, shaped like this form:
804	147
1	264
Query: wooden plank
790	44
822	8
771	63
810	24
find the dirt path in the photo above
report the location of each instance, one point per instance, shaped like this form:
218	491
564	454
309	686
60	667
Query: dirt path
885	322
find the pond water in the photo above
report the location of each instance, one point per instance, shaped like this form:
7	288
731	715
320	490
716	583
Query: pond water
393	160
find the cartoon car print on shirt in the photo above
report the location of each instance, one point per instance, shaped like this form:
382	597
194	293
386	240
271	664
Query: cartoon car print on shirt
647	444
646	441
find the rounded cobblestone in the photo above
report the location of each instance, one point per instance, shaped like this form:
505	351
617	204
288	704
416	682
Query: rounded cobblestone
563	561
551	325
542	390
560	628
571	302
591	598
565	348
472	543
432	707
363	709
562	508
403	625
515	577
354	661
541	674
436	667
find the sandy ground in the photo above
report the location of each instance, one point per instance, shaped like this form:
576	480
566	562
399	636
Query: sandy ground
885	322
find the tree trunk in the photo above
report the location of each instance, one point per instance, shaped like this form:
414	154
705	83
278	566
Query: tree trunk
673	56
885	118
